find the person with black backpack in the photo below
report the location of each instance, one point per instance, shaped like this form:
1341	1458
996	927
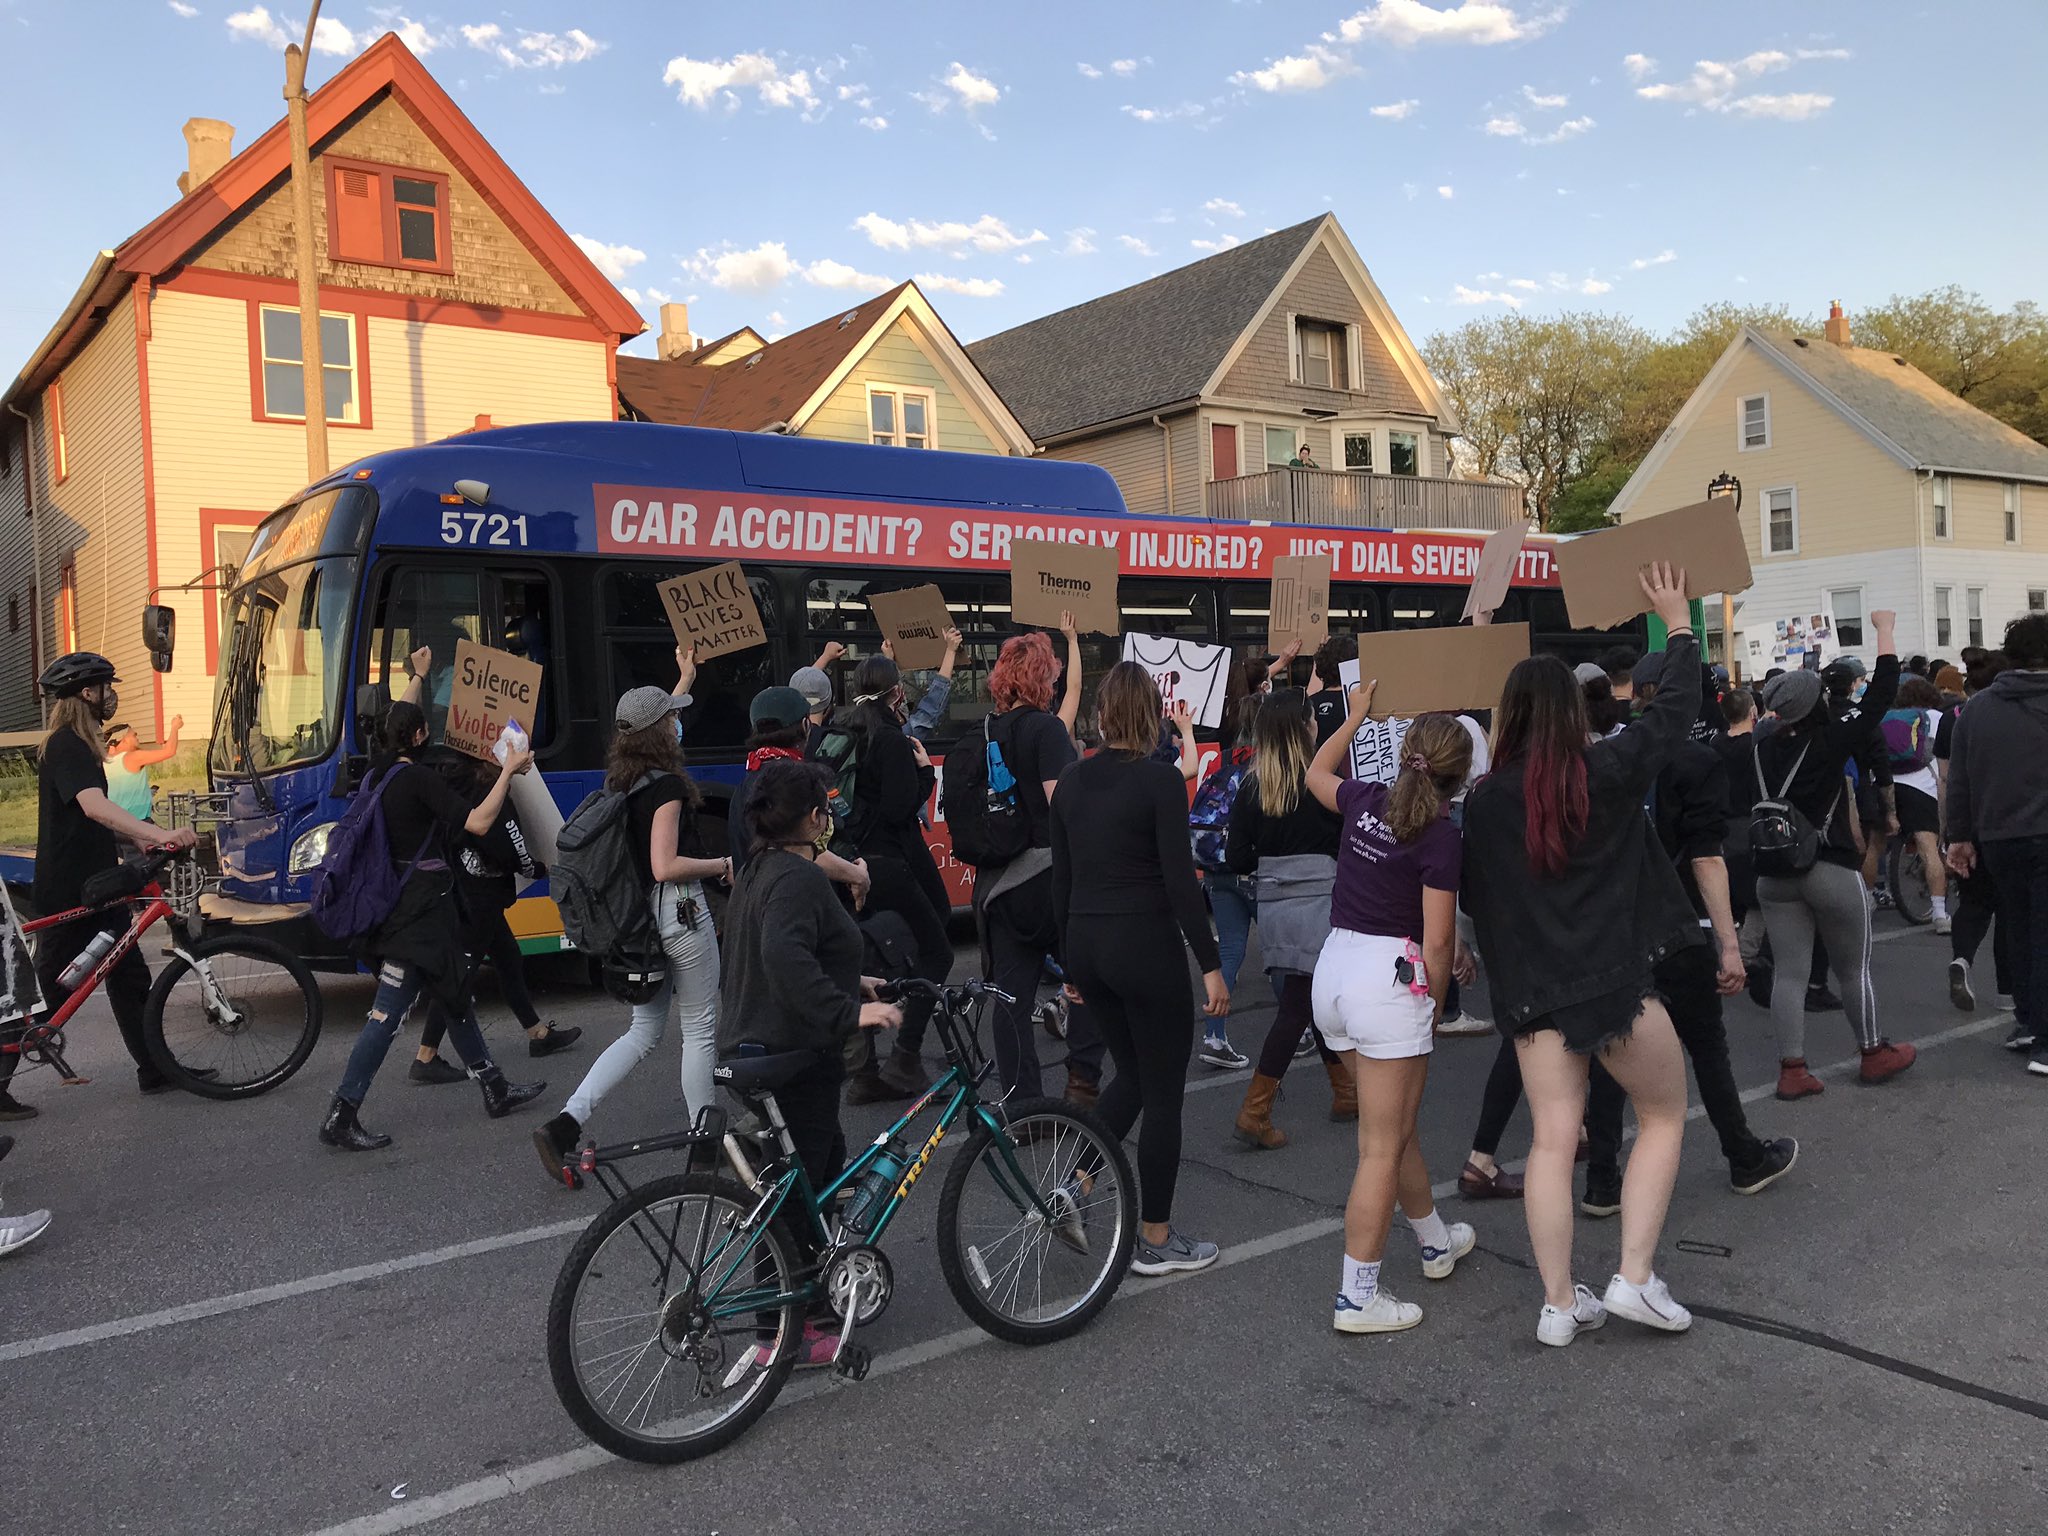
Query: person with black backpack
644	768
417	945
1806	859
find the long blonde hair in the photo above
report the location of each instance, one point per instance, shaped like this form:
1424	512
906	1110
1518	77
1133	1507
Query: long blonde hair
1436	754
72	713
1286	738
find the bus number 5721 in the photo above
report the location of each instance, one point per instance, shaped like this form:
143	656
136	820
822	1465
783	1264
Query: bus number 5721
474	528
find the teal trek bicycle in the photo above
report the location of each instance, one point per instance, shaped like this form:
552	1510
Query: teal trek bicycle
678	1313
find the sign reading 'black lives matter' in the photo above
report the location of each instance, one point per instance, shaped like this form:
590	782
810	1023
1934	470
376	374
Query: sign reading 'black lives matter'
713	610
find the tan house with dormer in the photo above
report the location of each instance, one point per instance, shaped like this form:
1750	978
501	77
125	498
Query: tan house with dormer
1270	381
1865	485
163	416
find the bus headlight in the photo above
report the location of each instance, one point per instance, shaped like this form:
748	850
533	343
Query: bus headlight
310	849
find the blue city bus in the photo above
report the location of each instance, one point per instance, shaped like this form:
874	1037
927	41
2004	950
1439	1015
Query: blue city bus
549	541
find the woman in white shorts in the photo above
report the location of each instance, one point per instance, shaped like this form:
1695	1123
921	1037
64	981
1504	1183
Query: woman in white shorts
1379	991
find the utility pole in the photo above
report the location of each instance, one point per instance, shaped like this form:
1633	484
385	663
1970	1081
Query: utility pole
309	271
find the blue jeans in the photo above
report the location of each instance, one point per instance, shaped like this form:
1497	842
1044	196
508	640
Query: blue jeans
1234	907
398	987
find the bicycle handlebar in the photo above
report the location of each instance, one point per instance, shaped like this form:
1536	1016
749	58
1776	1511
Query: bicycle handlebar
953	998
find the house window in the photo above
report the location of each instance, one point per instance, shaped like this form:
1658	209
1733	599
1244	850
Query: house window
1781	522
1941	523
900	418
57	433
1279	446
1358	452
1973	609
1404	454
1847	603
387	215
283	364
1754	415
1319	354
2037	599
1943	628
67	606
2012	513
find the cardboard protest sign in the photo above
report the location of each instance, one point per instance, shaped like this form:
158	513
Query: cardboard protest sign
1299	606
1421	670
914	622
1186	671
1047	579
1497	557
490	688
713	609
1600	571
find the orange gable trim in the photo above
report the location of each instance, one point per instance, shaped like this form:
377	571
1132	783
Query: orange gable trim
384	305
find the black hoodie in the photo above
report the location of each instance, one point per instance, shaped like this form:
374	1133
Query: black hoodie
1997	784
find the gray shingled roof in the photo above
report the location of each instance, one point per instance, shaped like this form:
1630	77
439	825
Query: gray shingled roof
1931	426
1140	348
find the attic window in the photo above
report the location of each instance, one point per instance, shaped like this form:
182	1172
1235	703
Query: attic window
387	215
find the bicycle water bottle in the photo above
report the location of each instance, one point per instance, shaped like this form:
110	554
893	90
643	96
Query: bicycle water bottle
874	1188
73	976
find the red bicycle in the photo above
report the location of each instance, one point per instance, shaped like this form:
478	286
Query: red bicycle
228	1017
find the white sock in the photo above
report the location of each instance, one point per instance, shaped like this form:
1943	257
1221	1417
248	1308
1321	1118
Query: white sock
1940	905
1360	1280
1430	1230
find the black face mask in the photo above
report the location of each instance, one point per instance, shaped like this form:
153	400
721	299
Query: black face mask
109	705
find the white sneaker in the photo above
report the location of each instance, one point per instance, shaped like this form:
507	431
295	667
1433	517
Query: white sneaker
1649	1304
1942	924
1960	992
1466	1023
1437	1263
1383	1314
1558	1326
20	1231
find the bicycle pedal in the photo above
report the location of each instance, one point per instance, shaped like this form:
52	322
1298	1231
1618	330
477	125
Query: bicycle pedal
852	1365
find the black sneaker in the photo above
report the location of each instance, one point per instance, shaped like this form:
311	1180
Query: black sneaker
1775	1162
12	1108
1603	1192
1959	990
1760	984
439	1070
2021	1039
1821	1000
557	1038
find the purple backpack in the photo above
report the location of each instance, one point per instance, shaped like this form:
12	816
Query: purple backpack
358	884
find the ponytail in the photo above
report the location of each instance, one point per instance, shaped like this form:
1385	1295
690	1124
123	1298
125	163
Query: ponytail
1435	757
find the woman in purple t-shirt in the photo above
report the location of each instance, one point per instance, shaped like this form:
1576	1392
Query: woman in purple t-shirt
1379	991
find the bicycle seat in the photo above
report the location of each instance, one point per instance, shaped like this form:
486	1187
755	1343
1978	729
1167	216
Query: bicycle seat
763	1074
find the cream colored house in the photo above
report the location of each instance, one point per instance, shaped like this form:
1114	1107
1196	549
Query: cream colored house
1269	381
163	416
885	371
1864	485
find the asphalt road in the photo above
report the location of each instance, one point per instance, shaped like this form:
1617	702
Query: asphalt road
231	1328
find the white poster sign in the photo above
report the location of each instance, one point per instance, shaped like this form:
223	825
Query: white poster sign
1376	749
21	995
1186	671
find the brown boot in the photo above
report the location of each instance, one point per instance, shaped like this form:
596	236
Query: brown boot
1083	1091
1255	1126
1343	1089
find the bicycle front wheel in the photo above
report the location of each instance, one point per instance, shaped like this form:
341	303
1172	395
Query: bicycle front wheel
1036	1225
1906	873
656	1356
231	1017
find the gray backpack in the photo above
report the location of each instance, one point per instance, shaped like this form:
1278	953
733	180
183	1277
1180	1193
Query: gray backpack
597	883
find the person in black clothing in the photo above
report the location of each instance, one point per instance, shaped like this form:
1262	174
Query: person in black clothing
1804	761
1689	809
1124	894
1877	816
418	947
1326	690
77	828
1976	903
1283	836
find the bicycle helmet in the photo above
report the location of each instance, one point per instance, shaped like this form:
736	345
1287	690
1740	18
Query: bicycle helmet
75	673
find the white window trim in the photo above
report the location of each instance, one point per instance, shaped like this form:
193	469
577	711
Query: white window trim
1763	506
1934	617
353	417
931	410
1264	427
1742	444
1973	597
2042	592
1209	445
1828	598
2018	535
1374	435
1947	504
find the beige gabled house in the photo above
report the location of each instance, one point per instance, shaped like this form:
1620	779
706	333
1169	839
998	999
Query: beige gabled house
1865	485
1269	381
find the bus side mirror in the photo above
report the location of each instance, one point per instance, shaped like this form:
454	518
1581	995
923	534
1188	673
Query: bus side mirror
159	634
372	702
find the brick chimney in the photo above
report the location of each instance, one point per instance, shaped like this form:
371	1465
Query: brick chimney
674	340
1837	328
209	145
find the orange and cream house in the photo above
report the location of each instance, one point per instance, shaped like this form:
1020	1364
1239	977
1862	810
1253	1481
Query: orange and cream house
163	416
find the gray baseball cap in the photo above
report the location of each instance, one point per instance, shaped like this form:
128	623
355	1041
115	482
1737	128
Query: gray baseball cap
641	707
1586	671
814	685
1791	696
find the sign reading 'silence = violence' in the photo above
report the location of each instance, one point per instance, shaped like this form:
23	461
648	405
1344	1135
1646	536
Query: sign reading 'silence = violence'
490	689
1048	579
713	610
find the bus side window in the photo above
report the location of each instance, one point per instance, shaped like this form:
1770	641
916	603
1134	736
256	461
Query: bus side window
1424	607
416	607
643	654
526	628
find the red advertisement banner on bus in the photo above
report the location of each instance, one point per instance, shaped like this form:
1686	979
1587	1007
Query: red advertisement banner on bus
722	525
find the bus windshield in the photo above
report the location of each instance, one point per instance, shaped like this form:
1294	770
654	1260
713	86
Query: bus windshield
286	650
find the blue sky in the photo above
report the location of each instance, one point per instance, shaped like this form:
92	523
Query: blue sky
769	162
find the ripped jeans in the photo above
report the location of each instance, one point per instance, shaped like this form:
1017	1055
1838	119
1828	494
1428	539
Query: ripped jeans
399	985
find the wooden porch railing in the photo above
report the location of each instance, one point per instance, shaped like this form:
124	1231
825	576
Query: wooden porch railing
1339	499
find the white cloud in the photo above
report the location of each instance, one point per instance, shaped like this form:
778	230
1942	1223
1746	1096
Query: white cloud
1714	85
1526	284
1509	127
1223	206
765	266
1089	71
1793	108
775	317
1658	260
533	50
1460	294
970	287
1080	242
184	10
332	37
1124	66
972	89
1822	53
1409	190
1445	193
1135	245
1220	243
1396	109
1309	71
257	26
828	273
877	123
1545	103
1640	66
1570	128
1594	285
614	261
1404	23
416	37
1163	114
701	82
987	233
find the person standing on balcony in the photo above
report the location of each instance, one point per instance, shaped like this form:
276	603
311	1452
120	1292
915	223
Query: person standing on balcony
1304	458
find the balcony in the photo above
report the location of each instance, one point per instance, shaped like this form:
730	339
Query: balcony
1333	498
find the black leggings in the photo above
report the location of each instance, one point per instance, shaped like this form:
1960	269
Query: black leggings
502	950
1974	906
898	888
1497	1105
1295	1013
1131	971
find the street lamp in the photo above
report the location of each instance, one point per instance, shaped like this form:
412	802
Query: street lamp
1726	485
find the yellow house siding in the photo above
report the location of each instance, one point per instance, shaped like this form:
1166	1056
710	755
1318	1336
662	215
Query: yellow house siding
1853	497
491	266
18	711
898	357
1318	292
425	381
1977	514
